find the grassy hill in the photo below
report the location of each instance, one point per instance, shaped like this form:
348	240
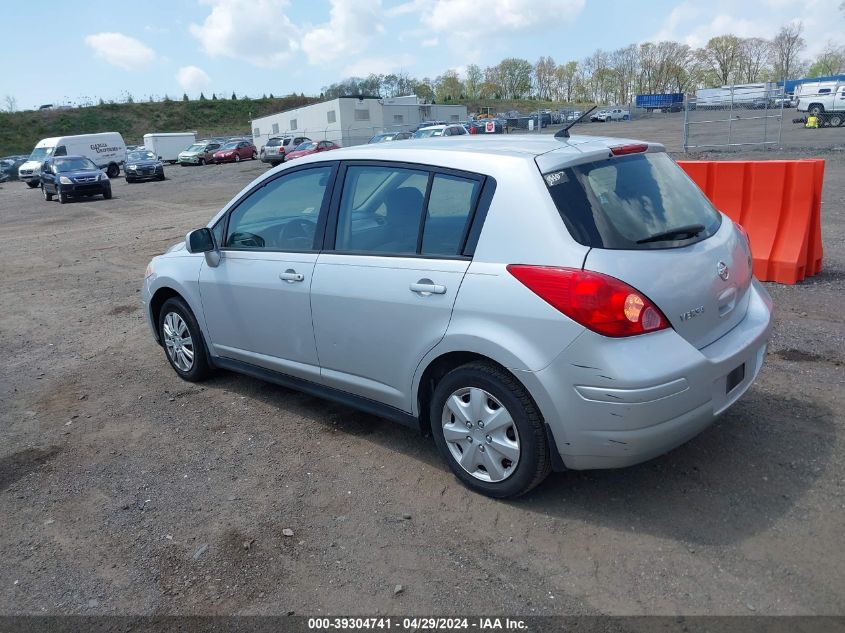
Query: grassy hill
20	131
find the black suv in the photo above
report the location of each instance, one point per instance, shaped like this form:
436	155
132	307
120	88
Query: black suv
73	177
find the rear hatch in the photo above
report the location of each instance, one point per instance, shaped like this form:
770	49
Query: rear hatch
649	225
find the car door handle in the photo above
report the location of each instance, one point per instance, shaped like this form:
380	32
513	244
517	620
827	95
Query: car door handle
426	287
291	276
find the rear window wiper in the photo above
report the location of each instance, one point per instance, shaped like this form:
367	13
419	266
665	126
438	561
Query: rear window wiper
680	233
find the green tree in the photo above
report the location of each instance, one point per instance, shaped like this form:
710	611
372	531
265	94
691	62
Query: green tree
185	97
831	61
787	46
202	97
720	56
474	79
234	96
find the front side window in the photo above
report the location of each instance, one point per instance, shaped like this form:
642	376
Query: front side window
282	215
61	150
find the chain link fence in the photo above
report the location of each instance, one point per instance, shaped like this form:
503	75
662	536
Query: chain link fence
734	117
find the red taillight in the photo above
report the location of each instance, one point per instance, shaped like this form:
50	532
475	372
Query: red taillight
631	148
599	302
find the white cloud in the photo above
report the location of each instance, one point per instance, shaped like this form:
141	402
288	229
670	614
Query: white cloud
193	79
690	22
432	41
255	31
351	25
121	50
378	65
465	20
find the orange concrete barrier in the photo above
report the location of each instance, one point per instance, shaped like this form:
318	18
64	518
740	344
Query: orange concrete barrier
778	202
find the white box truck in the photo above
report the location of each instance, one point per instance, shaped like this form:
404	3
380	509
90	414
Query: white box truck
168	145
106	149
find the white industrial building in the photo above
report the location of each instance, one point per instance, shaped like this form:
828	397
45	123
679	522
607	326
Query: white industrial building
354	120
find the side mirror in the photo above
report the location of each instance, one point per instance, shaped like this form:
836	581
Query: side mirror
159	157
202	241
199	241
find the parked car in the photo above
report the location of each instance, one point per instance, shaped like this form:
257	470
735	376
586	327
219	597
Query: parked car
550	338
105	149
278	146
73	177
311	147
9	166
143	165
390	136
613	114
454	129
429	124
235	152
199	153
487	126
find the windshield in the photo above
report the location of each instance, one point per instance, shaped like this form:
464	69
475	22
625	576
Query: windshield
428	133
40	153
625	202
196	148
305	146
74	164
141	156
230	145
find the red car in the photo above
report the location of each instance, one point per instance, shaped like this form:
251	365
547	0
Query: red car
311	147
235	151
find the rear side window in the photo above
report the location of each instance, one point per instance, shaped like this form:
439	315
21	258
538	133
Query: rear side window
404	211
636	202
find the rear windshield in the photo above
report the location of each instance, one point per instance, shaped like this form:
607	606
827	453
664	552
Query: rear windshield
274	142
641	201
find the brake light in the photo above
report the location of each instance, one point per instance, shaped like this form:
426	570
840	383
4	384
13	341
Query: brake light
599	302
630	148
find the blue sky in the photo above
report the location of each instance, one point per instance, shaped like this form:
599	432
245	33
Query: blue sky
107	49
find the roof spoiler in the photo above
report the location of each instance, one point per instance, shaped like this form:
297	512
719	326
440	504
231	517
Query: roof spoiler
564	133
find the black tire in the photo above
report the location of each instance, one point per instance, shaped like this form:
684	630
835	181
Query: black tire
112	171
32	184
201	162
47	196
237	158
254	155
835	120
62	197
534	463
200	369
129	180
107	194
816	109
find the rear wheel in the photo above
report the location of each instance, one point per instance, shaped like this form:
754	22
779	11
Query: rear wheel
489	431
182	340
835	120
112	170
32	184
47	196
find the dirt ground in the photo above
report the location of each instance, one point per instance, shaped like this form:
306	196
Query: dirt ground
125	490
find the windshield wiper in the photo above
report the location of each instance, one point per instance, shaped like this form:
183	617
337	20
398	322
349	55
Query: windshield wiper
680	233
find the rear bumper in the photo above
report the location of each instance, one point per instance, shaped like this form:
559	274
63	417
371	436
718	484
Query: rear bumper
616	402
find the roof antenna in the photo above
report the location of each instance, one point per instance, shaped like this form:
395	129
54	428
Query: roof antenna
564	132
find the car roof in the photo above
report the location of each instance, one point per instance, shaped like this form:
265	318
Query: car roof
462	152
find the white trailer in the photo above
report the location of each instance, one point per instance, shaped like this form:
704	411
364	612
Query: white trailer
168	145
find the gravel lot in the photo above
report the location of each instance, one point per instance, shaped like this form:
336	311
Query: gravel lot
125	490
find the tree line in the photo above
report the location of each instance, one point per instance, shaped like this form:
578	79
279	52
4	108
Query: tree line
616	76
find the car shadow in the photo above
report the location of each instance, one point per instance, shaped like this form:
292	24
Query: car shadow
734	480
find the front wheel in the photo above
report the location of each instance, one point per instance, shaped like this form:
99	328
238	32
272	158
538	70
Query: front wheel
182	341
489	431
62	197
237	158
254	156
107	194
201	161
816	109
47	196
32	184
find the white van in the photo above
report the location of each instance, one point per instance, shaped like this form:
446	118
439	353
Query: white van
168	145
107	150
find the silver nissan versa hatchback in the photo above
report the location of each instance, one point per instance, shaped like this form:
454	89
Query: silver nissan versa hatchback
534	303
